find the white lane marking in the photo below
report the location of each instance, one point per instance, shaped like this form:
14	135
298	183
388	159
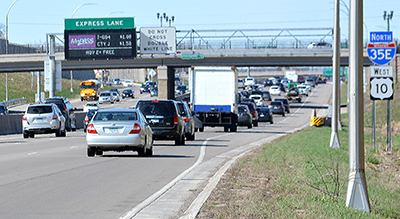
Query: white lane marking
157	194
33	153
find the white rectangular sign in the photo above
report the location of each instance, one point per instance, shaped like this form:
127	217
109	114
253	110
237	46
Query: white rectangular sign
381	71
57	76
157	40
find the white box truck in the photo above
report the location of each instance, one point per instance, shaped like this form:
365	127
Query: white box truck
214	97
291	75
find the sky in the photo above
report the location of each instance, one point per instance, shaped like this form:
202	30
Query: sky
31	20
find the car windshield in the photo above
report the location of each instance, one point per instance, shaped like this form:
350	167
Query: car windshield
242	109
256	97
127	91
275	104
105	94
39	109
115	116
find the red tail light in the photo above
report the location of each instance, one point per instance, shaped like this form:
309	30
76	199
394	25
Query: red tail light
254	113
136	129
55	117
66	109
176	120
24	118
86	118
91	129
186	119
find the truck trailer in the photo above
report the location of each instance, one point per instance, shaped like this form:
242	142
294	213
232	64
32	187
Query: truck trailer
214	97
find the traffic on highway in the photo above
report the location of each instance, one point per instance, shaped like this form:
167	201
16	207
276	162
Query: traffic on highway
140	156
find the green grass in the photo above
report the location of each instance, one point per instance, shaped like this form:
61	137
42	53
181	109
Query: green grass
300	176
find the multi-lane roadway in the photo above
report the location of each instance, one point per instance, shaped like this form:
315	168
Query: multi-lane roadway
49	177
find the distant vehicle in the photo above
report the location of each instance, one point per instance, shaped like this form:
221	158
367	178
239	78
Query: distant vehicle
213	97
293	94
90	90
319	45
127	83
291	75
181	89
116	96
152	84
301	79
303	89
249	81
89	115
265	114
154	92
119	130
116	81
257	99
255	87
42	119
164	119
128	93
268	82
115	90
277	107
266	95
144	88
185	112
275	90
91	105
253	112
178	80
244	116
3	109
311	81
241	84
285	102
106	97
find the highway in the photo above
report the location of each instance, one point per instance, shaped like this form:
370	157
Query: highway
49	177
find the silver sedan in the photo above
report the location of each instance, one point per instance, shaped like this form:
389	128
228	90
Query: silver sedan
119	130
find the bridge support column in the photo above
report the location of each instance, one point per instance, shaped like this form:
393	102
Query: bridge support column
166	85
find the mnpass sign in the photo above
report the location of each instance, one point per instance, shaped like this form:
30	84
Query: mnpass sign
381	49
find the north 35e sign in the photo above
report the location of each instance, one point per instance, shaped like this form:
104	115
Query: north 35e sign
381	82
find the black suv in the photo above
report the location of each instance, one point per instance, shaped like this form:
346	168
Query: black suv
67	110
164	119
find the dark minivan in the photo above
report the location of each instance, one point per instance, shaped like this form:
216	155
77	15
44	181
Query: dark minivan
67	110
164	119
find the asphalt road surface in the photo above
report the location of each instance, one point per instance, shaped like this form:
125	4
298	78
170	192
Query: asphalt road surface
49	177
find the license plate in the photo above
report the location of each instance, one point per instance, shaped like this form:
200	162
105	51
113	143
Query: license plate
262	115
39	119
112	130
155	121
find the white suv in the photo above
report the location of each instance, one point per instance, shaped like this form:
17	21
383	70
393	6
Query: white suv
42	119
249	81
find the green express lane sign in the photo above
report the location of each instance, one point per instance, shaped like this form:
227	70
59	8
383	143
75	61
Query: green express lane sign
100	38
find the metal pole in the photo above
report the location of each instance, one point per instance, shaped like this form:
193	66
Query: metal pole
374	123
72	82
52	66
336	71
39	91
389	125
357	194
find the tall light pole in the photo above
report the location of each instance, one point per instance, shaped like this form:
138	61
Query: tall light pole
8	11
388	17
161	17
72	15
80	6
113	12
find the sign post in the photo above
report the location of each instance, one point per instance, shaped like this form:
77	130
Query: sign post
381	50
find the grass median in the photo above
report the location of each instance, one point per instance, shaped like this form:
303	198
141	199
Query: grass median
300	176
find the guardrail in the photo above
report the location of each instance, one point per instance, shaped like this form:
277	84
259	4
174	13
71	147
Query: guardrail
14	101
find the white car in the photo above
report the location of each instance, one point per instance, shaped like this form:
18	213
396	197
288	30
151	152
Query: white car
116	96
303	89
127	83
275	90
91	105
249	81
257	99
42	119
106	97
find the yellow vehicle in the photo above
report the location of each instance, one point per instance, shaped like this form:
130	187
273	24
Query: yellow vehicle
90	90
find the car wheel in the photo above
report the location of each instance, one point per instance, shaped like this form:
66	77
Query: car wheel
249	126
31	135
233	128
90	152
63	133
99	152
283	114
191	137
201	129
58	132
26	135
226	128
149	152
256	123
271	122
183	139
178	140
